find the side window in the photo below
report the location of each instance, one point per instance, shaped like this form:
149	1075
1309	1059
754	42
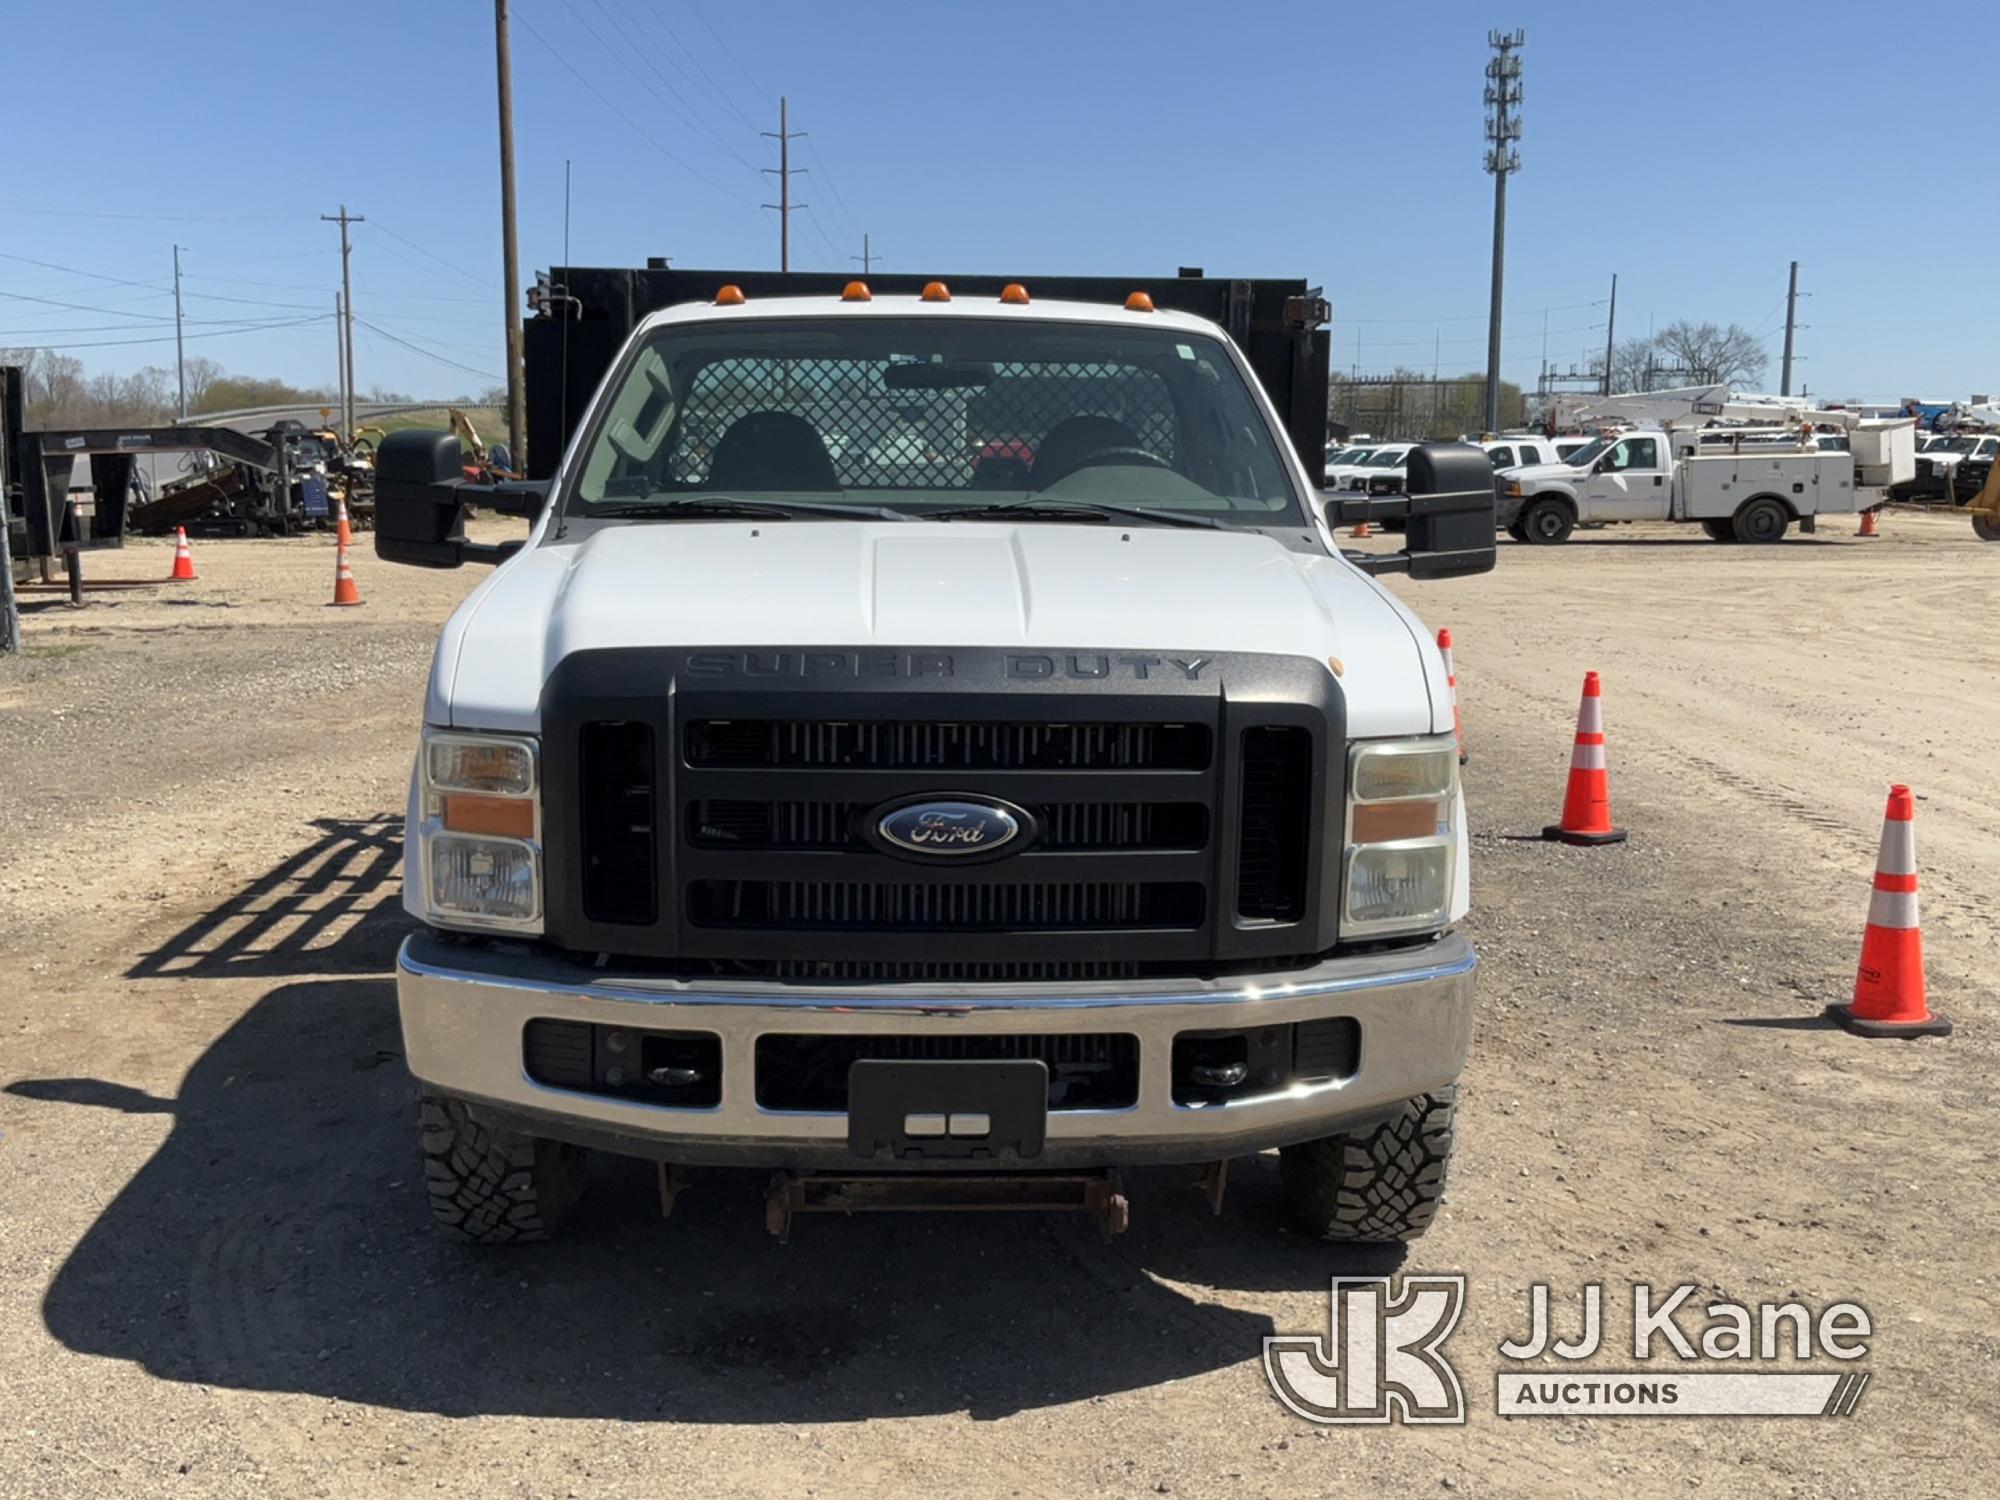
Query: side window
1636	453
1988	448
1502	458
1530	454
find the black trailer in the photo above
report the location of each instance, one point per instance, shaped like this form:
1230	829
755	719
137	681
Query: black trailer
584	315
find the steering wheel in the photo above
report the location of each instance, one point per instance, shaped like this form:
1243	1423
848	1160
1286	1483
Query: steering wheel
1102	457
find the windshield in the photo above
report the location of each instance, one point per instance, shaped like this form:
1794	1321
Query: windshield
1388	458
1951	445
1587	454
1357	456
899	416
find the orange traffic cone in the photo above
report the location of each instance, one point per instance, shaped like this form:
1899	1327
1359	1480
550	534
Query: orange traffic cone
340	527
1451	684
1361	532
1587	803
183	559
1889	988
1867	524
344	591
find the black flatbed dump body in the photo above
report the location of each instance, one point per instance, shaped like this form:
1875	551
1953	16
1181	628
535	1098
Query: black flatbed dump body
584	316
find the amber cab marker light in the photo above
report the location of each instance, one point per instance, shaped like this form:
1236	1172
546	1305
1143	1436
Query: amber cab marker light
857	291
936	291
1013	292
1138	302
729	296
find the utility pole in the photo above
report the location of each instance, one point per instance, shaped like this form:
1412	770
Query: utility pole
340	357
10	613
510	250
343	219
784	135
866	257
180	349
1791	322
1503	128
1610	332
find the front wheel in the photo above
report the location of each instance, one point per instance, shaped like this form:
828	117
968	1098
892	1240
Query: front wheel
491	1186
1719	531
1378	1185
1517	531
1547	522
1761	521
1985	527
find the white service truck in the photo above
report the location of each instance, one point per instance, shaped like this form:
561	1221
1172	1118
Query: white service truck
1748	482
944	832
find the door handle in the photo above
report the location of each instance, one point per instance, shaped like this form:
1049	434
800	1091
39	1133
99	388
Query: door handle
1659	479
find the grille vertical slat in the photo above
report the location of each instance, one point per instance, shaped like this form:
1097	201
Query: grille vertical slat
1276	823
617	813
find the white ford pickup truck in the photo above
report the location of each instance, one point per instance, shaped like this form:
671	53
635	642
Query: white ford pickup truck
931	748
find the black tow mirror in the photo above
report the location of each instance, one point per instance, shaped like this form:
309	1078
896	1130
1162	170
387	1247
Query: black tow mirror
1447	512
421	495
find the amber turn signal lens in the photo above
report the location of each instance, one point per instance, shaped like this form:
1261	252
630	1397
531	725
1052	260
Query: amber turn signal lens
1138	302
1013	292
857	291
729	296
1383	822
936	291
503	817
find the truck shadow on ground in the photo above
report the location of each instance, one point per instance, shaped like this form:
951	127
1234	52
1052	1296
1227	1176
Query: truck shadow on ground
331	908
278	1240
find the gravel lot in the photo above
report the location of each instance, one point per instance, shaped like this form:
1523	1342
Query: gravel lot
217	1276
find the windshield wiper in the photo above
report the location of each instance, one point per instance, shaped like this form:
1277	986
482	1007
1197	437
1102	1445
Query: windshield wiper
1066	510
729	505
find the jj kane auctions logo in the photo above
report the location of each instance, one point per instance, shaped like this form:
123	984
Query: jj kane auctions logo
1382	1358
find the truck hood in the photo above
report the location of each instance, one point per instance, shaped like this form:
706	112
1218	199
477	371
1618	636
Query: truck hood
1527	474
1053	587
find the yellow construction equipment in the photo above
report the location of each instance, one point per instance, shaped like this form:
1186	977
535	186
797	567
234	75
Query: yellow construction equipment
1984	507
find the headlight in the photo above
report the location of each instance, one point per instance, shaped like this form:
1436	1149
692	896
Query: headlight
1400	840
1513	489
482	832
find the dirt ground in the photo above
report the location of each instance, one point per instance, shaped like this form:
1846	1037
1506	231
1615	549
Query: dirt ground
217	1276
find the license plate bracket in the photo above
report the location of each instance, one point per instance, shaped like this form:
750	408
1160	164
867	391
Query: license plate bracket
947	1110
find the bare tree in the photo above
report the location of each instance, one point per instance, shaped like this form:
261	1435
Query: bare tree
1727	356
202	373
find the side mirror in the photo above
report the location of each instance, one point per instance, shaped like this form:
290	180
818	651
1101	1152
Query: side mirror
1447	510
420	500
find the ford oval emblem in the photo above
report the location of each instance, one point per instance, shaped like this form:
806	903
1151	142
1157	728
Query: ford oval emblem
949	827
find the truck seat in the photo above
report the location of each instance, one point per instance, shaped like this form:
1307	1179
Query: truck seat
772	450
1074	439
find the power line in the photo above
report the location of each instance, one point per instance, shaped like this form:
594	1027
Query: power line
845	222
591	88
168	338
757	90
1534	312
433	255
673	105
812	218
426	353
714	88
75	213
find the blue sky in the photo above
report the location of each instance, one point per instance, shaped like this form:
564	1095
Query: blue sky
1693	155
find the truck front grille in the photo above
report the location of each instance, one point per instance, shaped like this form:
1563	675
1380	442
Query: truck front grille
1176	823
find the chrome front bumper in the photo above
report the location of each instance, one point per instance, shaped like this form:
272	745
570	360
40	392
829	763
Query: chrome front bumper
464	1009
